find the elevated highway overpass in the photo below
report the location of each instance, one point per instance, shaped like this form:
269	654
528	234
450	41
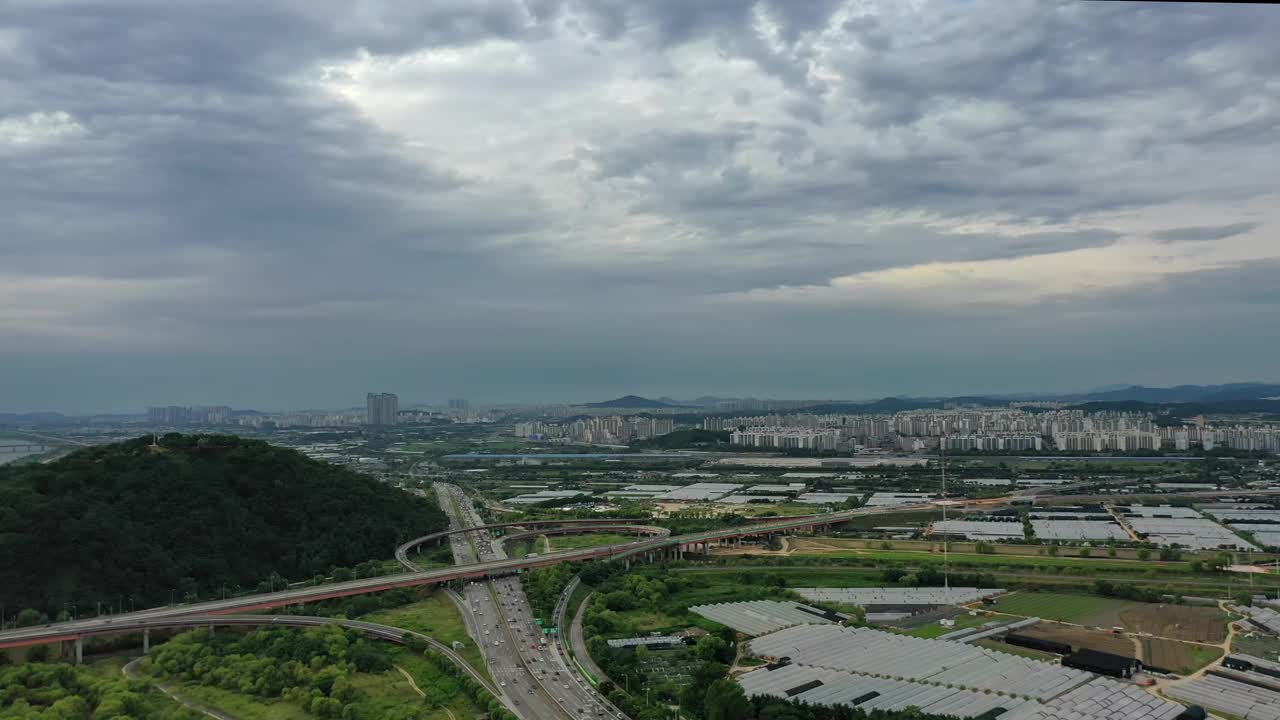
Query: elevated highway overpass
653	547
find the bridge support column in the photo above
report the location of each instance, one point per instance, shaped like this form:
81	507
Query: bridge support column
79	650
146	641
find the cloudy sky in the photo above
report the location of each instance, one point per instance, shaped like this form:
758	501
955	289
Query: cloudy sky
288	203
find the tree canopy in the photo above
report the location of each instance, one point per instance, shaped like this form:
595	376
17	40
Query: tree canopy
129	523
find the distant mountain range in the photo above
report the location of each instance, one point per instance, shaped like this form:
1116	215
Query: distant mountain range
1236	395
1187	393
632	401
1231	397
36	418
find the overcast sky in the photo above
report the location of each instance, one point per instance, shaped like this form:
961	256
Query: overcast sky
286	204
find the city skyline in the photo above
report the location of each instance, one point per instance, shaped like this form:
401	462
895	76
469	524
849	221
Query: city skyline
550	200
449	404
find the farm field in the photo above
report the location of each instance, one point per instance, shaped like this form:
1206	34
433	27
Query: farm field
1077	609
1257	645
1078	637
1179	622
1180	657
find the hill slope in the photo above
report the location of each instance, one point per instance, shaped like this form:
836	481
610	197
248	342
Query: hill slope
630	401
202	512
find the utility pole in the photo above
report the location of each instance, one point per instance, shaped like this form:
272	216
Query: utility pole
946	577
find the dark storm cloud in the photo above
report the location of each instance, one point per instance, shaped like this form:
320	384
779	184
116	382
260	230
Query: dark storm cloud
208	192
1216	232
1060	64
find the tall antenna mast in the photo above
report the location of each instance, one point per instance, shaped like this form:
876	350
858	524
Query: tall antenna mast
946	578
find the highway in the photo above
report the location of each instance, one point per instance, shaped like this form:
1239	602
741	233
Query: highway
483	569
526	663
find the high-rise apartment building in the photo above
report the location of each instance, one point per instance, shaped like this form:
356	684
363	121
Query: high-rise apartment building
383	408
169	415
459	405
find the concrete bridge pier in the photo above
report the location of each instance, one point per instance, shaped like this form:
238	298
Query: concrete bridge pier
146	641
79	650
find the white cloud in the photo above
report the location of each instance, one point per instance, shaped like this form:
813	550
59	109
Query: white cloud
38	129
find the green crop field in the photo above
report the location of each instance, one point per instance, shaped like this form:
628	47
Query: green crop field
1064	607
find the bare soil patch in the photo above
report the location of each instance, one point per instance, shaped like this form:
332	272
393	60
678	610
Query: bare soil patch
1078	637
1180	622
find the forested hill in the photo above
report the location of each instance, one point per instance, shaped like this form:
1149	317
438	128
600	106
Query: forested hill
194	515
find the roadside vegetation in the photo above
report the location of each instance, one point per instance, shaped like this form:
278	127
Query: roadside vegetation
58	691
324	672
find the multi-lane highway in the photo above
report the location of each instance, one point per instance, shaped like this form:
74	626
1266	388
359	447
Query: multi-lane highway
482	569
528	664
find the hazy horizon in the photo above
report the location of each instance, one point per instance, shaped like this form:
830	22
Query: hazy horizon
423	399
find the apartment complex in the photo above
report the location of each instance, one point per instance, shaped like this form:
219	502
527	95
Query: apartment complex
605	430
382	409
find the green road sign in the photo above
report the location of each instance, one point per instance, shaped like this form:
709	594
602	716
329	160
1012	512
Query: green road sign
538	620
554	631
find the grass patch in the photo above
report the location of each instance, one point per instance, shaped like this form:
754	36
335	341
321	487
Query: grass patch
934	630
427	675
436	617
796	576
575	542
245	707
381	695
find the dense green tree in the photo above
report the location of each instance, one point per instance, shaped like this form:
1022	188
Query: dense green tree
39	691
725	701
193	517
